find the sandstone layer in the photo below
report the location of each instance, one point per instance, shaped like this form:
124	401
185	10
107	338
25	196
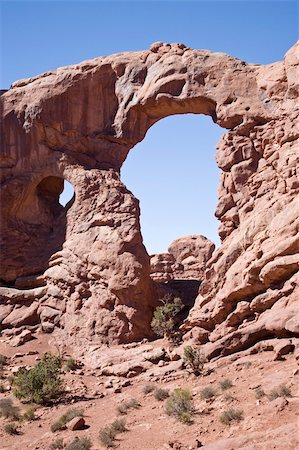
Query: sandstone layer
83	269
186	259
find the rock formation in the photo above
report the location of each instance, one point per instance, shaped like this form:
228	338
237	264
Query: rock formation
83	269
186	259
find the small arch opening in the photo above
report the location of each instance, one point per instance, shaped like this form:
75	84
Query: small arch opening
67	195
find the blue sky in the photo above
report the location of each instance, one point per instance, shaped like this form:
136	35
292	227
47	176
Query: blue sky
172	171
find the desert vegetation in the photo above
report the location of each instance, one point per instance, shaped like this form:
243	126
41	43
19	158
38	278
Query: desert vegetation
225	384
163	323
40	384
180	405
8	409
280	391
231	415
108	434
207	393
70	414
194	359
126	405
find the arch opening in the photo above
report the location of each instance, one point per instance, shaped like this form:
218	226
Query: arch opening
42	222
67	195
174	175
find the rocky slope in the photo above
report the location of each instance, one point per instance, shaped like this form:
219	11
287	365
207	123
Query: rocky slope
112	378
83	270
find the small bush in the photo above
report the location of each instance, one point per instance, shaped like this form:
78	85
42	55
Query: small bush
70	364
133	403
83	443
3	360
161	394
148	388
280	391
126	405
225	384
163	321
207	392
8	409
2	388
194	359
60	424
118	426
11	428
108	433
107	436
231	415
180	405
186	417
41	383
57	444
29	414
259	393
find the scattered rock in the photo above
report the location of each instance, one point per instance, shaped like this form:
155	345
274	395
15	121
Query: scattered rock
155	356
283	348
24	336
77	423
279	403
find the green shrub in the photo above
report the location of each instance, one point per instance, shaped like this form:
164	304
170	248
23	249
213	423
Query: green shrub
8	409
180	405
11	428
231	415
194	359
83	443
161	394
162	322
41	383
148	388
126	405
57	444
29	414
71	364
207	392
60	424
107	436
259	393
280	391
225	384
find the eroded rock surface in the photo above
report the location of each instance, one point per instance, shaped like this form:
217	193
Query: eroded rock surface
186	259
87	261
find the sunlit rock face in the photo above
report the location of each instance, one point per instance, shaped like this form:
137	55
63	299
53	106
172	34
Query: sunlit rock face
186	259
83	270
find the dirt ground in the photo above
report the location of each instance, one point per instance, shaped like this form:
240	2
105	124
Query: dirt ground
265	424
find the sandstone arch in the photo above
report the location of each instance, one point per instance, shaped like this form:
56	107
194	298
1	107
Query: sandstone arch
83	120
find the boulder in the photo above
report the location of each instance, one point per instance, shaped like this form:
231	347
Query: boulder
77	423
24	336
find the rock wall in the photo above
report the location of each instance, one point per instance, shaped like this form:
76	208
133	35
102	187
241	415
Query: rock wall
83	270
186	259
